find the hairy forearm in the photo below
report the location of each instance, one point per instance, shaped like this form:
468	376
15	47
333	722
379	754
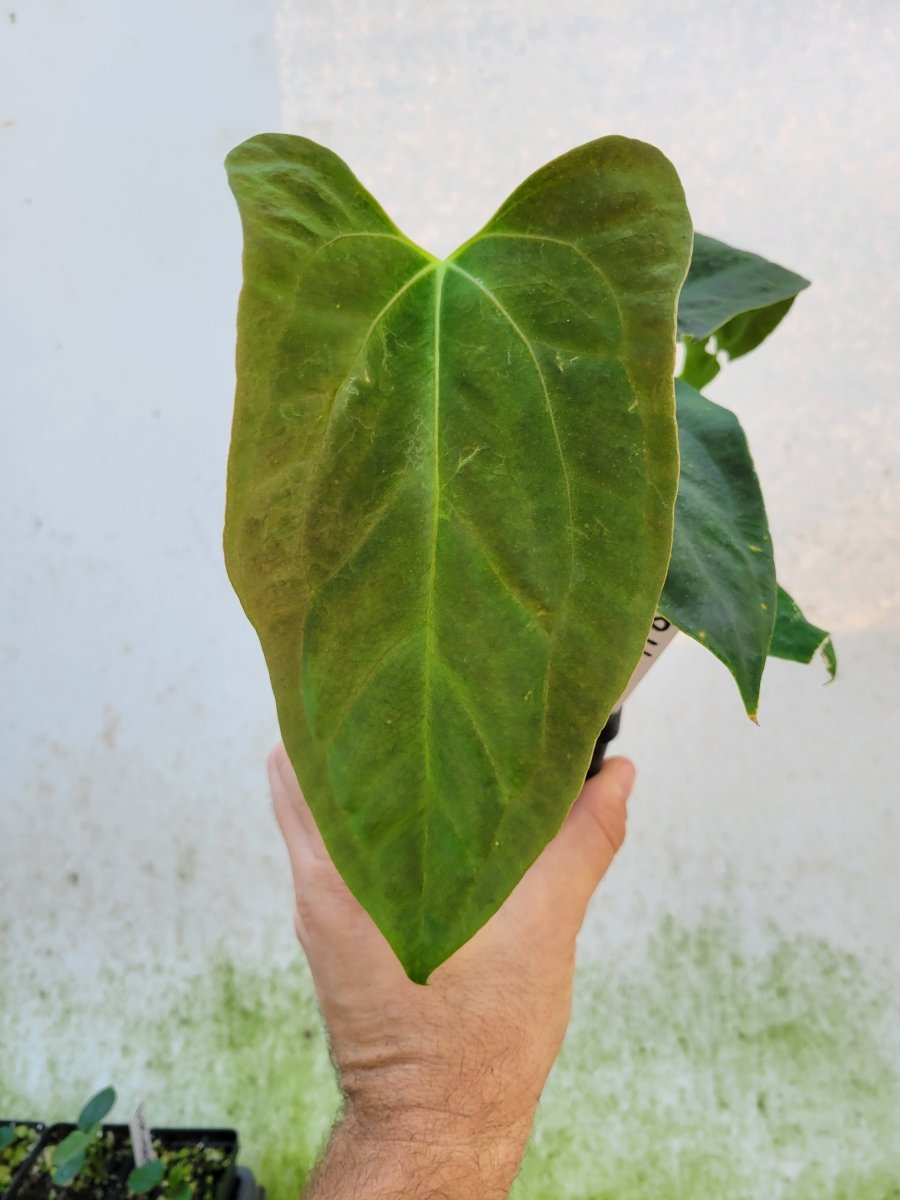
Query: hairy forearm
393	1162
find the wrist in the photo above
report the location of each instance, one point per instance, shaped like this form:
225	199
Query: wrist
418	1153
486	1133
419	1102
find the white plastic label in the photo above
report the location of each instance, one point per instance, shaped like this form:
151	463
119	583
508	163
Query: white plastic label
141	1142
661	633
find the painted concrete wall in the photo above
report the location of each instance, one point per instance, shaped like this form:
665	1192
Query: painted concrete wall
737	1029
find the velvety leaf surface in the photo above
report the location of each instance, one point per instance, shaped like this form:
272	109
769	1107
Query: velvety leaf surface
731	302
720	588
449	507
797	639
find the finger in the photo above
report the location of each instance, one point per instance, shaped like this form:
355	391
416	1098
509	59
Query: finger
311	865
580	854
286	791
323	899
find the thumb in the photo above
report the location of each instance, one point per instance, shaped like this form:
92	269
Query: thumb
580	854
297	824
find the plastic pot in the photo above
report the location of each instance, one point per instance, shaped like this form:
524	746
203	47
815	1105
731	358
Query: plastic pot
607	733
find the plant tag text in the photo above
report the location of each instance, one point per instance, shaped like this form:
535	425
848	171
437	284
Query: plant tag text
141	1143
661	633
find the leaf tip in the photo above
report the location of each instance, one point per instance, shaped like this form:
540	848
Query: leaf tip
830	659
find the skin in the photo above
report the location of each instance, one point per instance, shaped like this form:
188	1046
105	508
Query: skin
441	1082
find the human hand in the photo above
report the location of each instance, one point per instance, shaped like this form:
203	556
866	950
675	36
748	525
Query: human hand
442	1081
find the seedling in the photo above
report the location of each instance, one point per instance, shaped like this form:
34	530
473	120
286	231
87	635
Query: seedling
460	491
97	1160
82	1151
171	1174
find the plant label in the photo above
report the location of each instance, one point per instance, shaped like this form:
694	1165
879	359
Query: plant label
141	1142
660	635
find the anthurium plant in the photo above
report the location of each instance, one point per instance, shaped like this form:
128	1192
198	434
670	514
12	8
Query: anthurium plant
456	502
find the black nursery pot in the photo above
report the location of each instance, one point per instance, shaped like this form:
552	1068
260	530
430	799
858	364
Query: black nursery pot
607	733
35	1132
226	1140
35	1183
246	1187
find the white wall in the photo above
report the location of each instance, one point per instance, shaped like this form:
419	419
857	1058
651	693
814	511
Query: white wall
737	1031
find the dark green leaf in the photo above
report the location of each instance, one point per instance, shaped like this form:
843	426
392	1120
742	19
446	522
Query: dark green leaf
744	332
146	1177
731	301
449	506
96	1108
721	583
797	639
7	1136
180	1191
700	367
70	1147
67	1170
723	283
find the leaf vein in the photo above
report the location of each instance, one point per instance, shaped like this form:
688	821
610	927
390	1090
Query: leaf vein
523	600
376	518
456	688
537	366
320	450
534	237
364	234
359	691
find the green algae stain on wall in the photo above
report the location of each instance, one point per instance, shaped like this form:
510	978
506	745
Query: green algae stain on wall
713	1070
705	1071
705	1068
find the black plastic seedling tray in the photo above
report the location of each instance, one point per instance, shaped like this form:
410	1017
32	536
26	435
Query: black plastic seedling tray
30	1184
37	1128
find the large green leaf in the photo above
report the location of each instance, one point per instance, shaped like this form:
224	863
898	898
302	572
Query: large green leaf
797	639
449	506
720	588
731	301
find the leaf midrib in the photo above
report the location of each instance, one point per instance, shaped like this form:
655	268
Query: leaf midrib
537	366
429	610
